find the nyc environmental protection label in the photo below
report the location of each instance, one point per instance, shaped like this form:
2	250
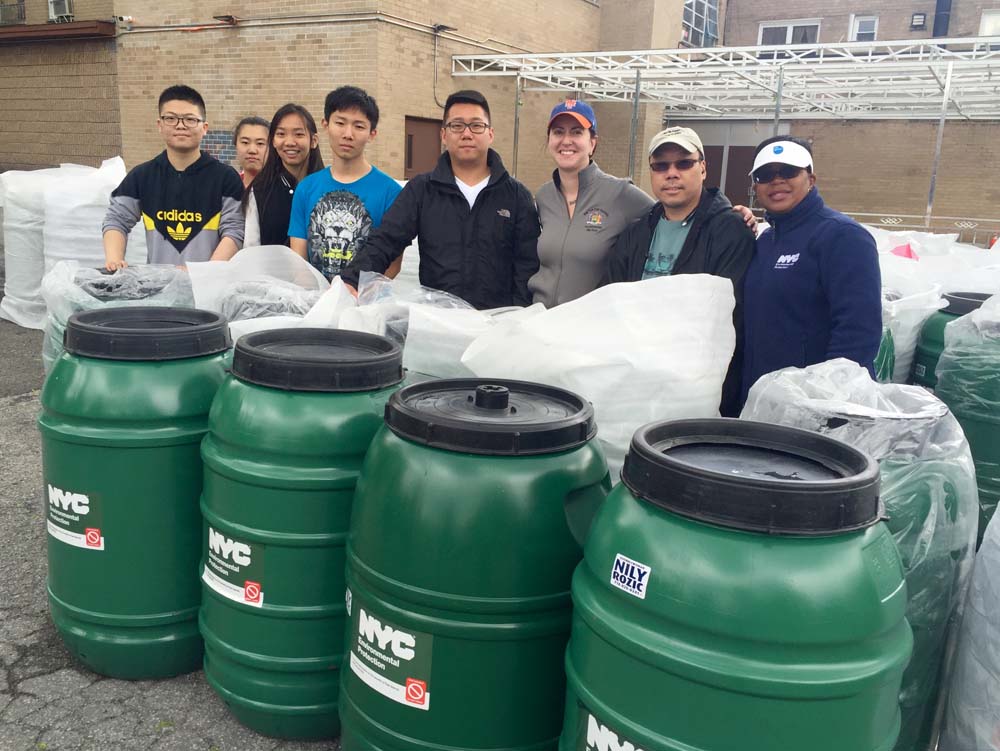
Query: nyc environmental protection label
234	568
593	735
74	518
389	659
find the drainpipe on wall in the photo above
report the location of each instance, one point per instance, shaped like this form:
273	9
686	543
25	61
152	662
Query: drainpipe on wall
942	18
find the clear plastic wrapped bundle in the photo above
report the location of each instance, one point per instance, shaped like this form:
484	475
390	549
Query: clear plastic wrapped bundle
69	288
928	487
968	374
266	297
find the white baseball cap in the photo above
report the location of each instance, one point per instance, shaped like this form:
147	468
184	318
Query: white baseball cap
783	152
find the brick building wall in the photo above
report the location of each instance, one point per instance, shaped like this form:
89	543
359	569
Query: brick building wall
885	166
743	18
966	15
58	103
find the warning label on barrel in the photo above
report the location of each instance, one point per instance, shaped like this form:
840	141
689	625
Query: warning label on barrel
391	660
594	735
630	576
74	518
234	568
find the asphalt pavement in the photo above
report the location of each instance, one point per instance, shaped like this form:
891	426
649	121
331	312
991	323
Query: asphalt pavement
48	701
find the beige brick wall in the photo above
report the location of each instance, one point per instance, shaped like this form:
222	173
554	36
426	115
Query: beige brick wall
743	18
885	166
966	15
239	71
58	103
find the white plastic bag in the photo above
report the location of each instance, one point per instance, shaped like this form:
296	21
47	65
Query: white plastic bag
23	223
972	719
332	304
252	325
905	309
75	207
639	351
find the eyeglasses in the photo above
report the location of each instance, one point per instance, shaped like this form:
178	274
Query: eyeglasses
770	173
458	127
189	121
682	165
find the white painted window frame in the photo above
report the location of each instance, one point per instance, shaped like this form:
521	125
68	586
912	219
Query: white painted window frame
987	13
852	28
788	24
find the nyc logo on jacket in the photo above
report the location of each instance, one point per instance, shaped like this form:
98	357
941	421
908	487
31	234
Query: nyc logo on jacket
787	260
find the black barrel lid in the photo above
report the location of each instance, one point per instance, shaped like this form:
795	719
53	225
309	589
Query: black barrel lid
963	303
141	333
753	476
491	416
328	360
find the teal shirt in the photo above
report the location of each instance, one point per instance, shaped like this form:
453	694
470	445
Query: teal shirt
668	239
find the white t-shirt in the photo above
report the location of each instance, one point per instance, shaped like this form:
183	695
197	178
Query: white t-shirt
471	191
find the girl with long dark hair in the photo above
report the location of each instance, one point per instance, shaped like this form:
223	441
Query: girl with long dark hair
267	202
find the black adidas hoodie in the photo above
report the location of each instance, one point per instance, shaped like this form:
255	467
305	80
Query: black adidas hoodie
185	214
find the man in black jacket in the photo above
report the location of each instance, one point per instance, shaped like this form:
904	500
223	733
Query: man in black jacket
476	225
691	230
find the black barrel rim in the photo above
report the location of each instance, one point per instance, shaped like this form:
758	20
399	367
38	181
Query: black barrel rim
773	505
491	417
139	333
318	360
963	303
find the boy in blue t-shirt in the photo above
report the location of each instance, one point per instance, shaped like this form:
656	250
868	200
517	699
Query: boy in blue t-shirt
334	210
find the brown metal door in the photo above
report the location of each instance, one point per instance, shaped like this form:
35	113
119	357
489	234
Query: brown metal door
737	187
423	146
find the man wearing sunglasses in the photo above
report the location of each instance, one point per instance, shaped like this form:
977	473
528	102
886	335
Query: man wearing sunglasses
690	230
813	289
477	226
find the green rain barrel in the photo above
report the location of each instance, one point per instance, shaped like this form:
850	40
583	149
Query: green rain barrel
463	543
738	593
287	435
124	410
930	344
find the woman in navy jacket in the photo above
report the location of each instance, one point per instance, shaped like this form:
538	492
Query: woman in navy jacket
812	291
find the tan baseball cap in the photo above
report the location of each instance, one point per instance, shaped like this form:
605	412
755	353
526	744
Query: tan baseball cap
686	138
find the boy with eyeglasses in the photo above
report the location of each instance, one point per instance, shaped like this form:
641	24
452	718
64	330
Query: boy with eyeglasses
477	225
188	201
813	290
334	210
691	229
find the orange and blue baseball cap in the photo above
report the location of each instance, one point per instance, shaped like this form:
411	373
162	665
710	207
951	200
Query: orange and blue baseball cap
582	112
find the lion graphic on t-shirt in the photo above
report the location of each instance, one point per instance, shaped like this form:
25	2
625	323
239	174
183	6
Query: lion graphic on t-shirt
338	226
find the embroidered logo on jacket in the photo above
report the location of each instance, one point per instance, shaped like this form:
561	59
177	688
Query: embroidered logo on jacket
787	261
505	213
596	218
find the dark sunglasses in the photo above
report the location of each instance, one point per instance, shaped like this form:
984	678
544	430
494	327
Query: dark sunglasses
683	165
770	173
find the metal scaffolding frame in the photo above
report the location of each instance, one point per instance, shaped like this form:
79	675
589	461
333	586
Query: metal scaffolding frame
922	79
857	80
